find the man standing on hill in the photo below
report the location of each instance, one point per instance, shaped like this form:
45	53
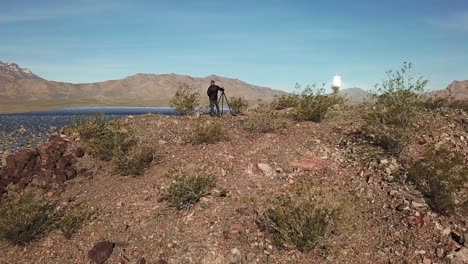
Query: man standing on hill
213	96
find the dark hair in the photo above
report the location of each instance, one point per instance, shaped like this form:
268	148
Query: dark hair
212	81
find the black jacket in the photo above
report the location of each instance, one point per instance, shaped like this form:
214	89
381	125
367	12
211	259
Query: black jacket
212	92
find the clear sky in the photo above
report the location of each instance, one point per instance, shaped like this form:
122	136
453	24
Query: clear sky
273	43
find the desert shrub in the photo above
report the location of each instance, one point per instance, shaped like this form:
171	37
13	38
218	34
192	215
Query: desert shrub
439	102
394	108
265	121
314	104
438	176
207	133
133	161
72	220
187	190
23	219
238	104
302	224
285	101
186	99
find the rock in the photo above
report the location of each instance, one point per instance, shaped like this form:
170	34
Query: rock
142	261
236	256
162	142
426	261
161	261
204	205
417	205
101	252
266	169
440	252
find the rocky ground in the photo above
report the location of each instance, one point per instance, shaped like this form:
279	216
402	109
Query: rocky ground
381	219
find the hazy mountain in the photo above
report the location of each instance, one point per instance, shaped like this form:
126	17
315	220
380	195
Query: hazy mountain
22	85
354	95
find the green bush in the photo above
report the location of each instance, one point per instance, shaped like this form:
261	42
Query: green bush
207	133
187	190
302	225
238	104
24	219
394	108
186	99
285	101
72	220
314	104
265	121
438	176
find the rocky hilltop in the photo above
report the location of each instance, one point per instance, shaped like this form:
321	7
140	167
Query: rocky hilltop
368	211
456	90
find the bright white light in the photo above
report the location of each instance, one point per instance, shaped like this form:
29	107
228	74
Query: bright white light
337	81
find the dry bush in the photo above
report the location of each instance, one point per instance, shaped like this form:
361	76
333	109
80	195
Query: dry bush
238	105
73	219
285	101
186	99
395	108
207	133
314	104
302	224
265	120
187	190
133	161
23	219
438	175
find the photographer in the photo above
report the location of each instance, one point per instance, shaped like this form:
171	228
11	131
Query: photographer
212	93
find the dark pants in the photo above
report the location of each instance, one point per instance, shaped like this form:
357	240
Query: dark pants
213	103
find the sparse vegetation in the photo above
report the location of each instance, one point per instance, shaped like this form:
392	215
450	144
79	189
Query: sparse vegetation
23	218
72	220
438	176
238	104
109	140
314	104
187	190
207	133
394	109
439	102
133	161
285	101
302	224
186	99
265	120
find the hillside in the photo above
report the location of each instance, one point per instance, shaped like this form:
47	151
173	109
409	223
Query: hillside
379	217
22	90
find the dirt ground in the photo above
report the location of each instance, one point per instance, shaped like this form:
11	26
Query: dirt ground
372	225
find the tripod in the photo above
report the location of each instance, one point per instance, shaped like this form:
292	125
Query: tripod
221	99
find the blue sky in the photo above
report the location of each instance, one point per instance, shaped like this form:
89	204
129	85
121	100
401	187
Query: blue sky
273	43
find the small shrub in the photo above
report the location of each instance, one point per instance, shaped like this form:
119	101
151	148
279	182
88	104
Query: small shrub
394	109
186	99
207	133
438	176
285	101
23	219
238	105
265	121
186	191
104	147
133	161
72	220
302	225
314	104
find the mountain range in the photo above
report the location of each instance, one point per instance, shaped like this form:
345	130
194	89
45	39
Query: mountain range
22	90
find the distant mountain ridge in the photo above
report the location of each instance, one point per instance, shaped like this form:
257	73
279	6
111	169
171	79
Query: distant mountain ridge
455	90
19	84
